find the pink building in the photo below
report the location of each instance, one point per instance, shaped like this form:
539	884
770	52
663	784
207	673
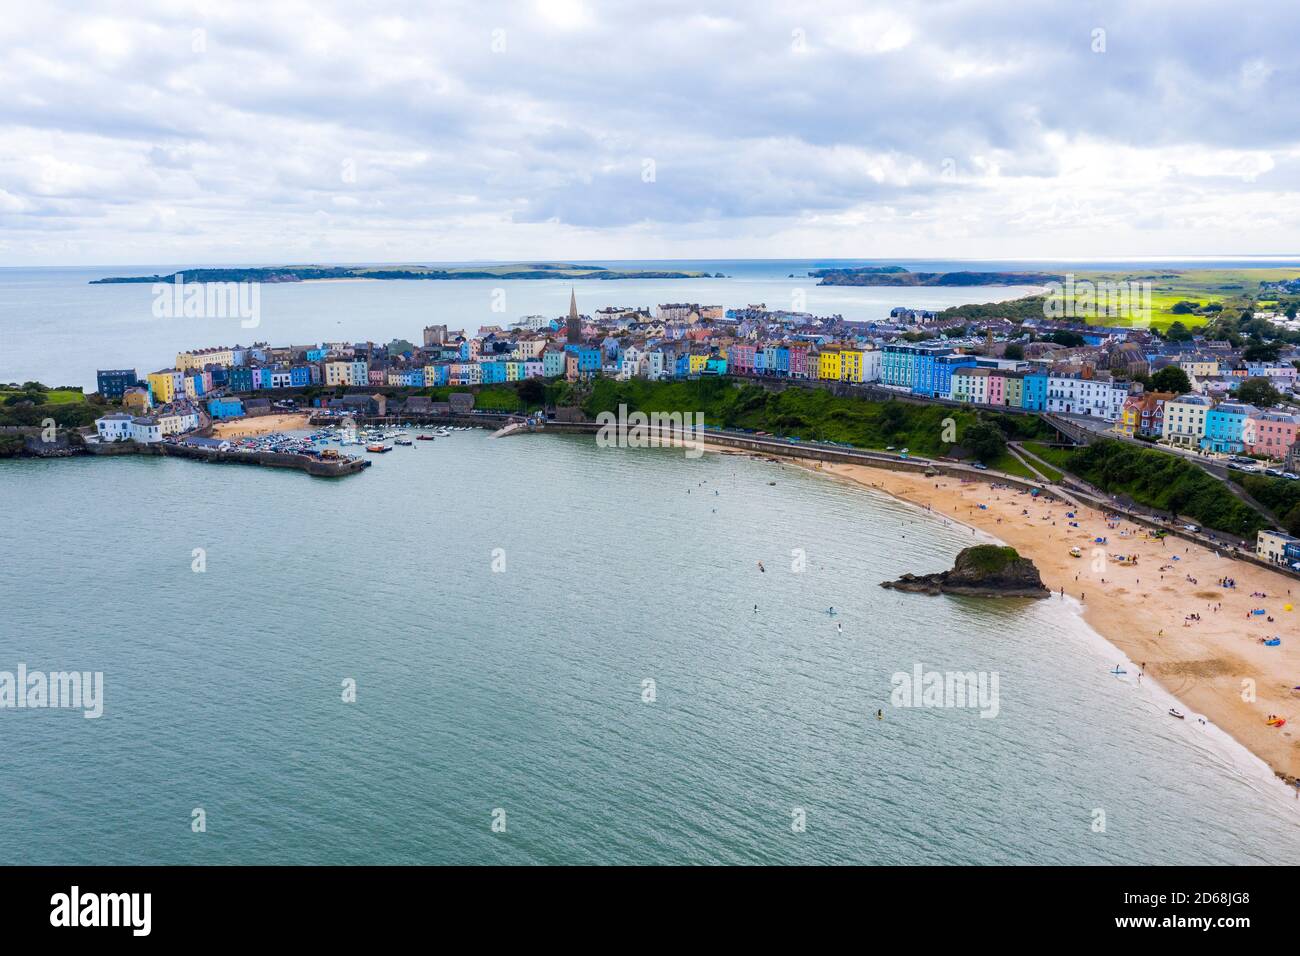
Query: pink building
799	360
741	358
997	387
1269	433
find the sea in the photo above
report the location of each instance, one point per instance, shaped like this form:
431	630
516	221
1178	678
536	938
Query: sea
58	329
537	650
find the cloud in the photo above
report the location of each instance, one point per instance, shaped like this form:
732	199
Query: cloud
165	131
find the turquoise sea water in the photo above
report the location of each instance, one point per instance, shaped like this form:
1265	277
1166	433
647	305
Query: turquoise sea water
522	690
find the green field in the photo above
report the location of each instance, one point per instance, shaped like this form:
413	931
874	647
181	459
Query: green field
1227	287
56	396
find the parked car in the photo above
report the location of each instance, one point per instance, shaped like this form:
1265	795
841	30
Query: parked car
981	466
1192	528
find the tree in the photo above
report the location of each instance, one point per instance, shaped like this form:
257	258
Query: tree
984	441
1066	337
1014	351
892	417
1183	308
1259	351
1177	332
1171	378
1259	392
532	392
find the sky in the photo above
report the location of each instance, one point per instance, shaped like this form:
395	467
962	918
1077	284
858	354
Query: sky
150	132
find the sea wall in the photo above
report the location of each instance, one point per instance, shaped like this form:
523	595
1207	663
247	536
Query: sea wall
313	466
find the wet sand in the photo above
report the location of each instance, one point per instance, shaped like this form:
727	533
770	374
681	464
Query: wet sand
1210	665
261	425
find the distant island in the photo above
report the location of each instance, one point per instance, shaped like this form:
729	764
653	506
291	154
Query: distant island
526	270
898	276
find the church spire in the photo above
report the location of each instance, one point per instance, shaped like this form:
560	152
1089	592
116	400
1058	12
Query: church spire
574	326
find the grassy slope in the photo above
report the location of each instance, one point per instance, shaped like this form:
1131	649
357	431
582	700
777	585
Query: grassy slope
808	414
58	396
1157	480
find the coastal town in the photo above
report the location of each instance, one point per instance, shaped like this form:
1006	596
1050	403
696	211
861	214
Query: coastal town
1039	365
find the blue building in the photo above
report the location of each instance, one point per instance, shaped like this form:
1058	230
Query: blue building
240	378
112	383
493	372
299	376
553	363
911	366
225	408
1223	425
1033	396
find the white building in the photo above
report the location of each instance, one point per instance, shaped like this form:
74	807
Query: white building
1184	422
871	365
115	427
1072	394
1271	546
146	430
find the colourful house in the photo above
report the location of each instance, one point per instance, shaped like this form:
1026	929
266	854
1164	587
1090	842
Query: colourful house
225	408
1224	425
1184	422
166	385
1270	433
1034	393
552	363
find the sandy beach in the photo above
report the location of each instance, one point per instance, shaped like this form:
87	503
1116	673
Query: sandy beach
1145	609
261	425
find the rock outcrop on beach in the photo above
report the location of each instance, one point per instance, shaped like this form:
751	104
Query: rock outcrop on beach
986	570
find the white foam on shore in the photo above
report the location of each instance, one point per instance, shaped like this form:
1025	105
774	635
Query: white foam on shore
1213	743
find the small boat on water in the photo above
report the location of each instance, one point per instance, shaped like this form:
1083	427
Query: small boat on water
424	438
1174	713
377	448
404	441
1117	670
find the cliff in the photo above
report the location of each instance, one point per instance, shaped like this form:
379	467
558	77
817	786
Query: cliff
985	570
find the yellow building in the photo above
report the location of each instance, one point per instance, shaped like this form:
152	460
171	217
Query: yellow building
163	385
1128	419
136	400
338	373
697	362
851	365
1200	366
200	358
829	365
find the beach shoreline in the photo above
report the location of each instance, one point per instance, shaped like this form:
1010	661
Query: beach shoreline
262	425
1214	667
